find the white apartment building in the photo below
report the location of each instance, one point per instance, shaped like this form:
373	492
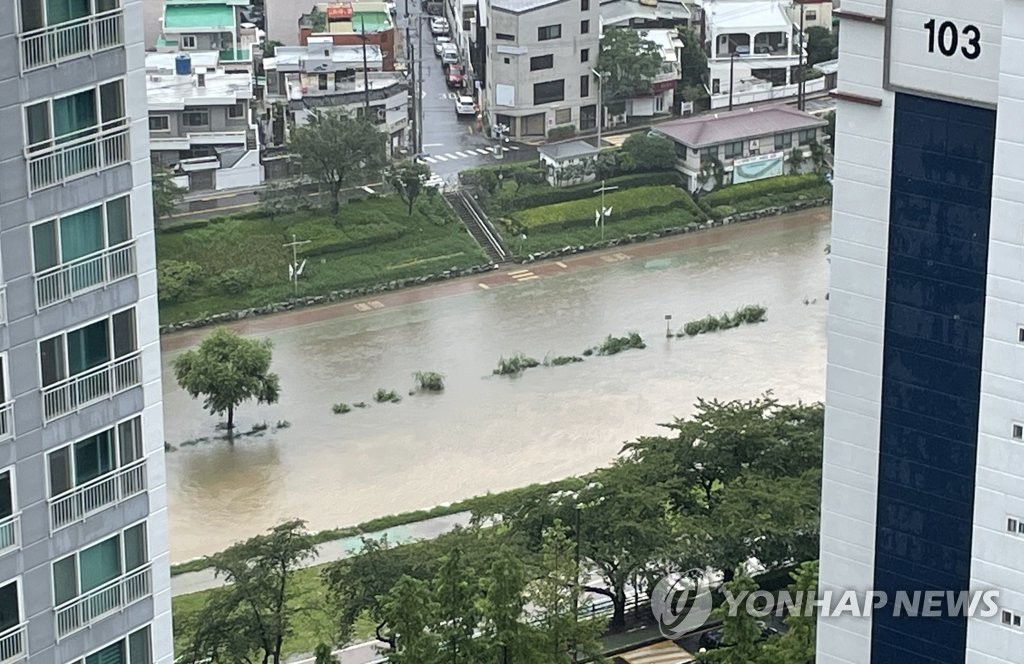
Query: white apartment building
923	484
539	62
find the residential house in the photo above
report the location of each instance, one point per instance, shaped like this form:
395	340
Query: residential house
660	99
649	14
201	126
569	162
539	64
817	13
349	23
322	74
748	144
754	52
210	25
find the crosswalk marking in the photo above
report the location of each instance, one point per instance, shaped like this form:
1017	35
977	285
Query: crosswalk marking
430	160
482	151
527	277
515	272
441	157
560	264
484	286
376	304
522	275
462	154
361	306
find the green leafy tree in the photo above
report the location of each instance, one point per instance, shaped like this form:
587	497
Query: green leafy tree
285	197
407	177
694	61
166	194
796	160
741	631
650	153
412	612
796	644
323	654
501	607
458	614
711	170
830	117
226	370
334	147
248	620
820	44
818	157
629	61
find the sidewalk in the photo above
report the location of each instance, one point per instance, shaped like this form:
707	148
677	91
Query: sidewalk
192	582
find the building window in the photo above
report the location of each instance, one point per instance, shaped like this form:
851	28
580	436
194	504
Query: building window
133	650
716	86
659	104
321	81
584	55
1007	617
188	42
550	91
811	15
71	237
344	76
504	36
97	456
1011	525
99	564
563	116
707	154
584	27
584	5
1020	334
549	32
783	141
74	116
236	111
508	61
37	14
159	123
195	118
1018	431
733	150
72	353
542	62
807	136
8	525
10	610
584	86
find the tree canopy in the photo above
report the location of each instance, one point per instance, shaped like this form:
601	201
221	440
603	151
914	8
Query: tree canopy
333	148
629	62
166	194
649	152
407	178
822	44
226	370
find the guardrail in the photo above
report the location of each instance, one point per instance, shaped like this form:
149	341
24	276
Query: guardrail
97	495
66	41
96	270
85	610
84	152
71	394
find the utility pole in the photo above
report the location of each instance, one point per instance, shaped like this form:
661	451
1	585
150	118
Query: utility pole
419	83
604	210
294	268
600	104
413	94
732	67
366	72
800	68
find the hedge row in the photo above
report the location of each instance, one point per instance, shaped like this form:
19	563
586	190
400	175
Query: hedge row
736	194
625	203
527	196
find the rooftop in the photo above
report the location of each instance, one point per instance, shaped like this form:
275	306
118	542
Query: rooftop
704	130
828	67
667	41
307	59
616	12
567	150
520	6
170	92
164	62
348	17
726	15
207	16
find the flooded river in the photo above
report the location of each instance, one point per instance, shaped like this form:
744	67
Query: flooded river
488	432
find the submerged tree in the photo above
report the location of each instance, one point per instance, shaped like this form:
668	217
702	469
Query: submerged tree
226	370
408	178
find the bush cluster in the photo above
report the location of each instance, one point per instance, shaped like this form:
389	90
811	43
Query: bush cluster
625	204
613	345
564	359
511	198
514	365
752	313
430	381
340	408
385	396
561	131
177	279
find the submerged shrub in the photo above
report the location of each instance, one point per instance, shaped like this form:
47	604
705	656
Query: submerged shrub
514	365
430	381
613	345
340	408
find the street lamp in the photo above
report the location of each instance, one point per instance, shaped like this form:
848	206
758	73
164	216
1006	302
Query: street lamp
732	67
600	105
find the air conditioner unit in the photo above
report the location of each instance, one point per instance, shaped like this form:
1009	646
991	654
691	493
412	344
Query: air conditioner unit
382	113
755	144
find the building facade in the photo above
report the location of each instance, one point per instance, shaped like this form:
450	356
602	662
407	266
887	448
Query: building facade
540	56
923	482
84	573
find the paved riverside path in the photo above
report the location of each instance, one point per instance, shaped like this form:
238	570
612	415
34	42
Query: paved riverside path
192	582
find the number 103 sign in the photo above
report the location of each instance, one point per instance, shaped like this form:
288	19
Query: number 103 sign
945	48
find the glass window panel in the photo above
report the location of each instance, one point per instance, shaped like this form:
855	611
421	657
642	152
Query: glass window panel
32	15
129	436
135	547
124	333
100	563
106	5
59	11
3	379
118	229
65	580
37	117
44	245
138	647
94	457
60	471
10	614
112	654
81	234
51	360
74	113
111	101
88	347
6	495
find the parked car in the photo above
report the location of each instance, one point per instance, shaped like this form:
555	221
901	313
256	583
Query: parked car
449	54
711	639
464	105
439	26
456	78
439	43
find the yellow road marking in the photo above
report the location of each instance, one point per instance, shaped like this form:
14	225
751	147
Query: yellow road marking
515	272
560	264
527	278
376	304
484	286
362	306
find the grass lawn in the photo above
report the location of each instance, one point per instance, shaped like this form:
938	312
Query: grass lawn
242	263
312	619
625	202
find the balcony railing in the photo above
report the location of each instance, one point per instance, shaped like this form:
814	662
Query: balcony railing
3	305
12	644
97	495
6	420
75	155
10	536
114	596
65	41
97	270
76	392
